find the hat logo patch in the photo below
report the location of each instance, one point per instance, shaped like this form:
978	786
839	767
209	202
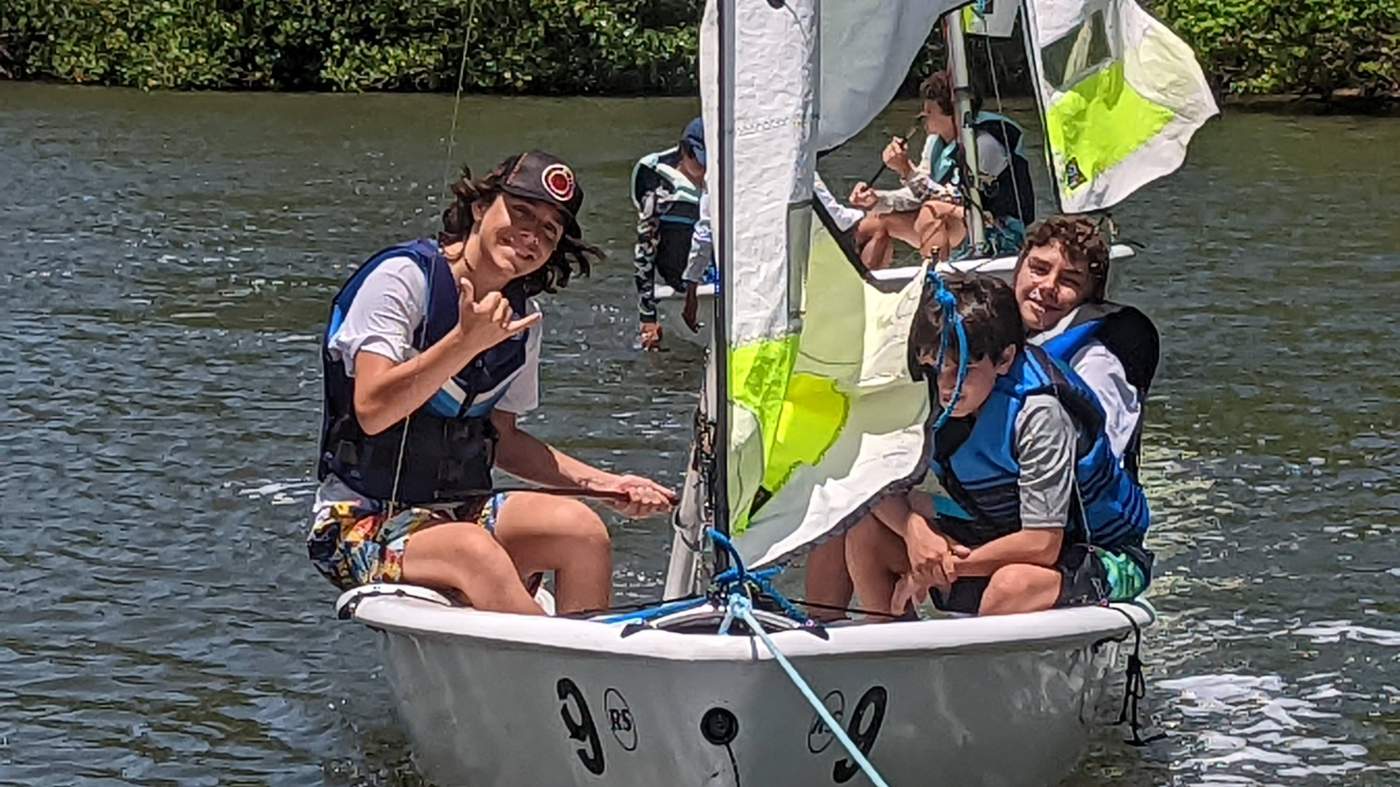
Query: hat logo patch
558	180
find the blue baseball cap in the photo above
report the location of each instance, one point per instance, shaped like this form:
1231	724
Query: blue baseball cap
694	138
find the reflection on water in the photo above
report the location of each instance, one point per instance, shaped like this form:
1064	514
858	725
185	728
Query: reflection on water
166	261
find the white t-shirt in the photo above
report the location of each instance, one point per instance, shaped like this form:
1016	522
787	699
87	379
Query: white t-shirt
1104	374
388	309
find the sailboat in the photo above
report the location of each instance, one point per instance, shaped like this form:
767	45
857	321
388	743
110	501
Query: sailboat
810	413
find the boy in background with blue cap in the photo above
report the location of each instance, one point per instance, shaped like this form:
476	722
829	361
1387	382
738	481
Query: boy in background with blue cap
667	189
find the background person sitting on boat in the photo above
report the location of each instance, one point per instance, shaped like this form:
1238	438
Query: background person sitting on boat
666	189
1041	512
927	212
431	353
1059	281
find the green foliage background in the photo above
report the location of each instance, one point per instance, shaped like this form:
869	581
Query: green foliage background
591	46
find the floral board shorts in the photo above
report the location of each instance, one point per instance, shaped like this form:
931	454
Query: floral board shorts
353	542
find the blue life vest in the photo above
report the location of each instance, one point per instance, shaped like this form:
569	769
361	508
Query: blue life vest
677	210
450	447
1133	340
980	471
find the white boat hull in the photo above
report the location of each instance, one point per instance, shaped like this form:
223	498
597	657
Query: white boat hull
669	302
493	699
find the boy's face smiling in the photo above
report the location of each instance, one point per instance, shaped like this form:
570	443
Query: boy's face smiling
981	376
518	236
1049	284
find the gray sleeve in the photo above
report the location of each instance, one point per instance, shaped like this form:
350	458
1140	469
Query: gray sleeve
701	245
1045	450
991	155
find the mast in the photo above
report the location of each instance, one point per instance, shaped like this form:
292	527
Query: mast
967	135
724	252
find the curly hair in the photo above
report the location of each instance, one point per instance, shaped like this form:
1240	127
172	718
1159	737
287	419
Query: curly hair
991	318
572	257
938	88
1080	240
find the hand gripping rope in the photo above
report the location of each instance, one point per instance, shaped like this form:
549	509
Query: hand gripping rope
740	582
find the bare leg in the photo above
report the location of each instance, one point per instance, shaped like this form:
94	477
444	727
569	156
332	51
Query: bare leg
877	252
827	581
1020	587
560	534
880	230
874	242
876	558
939	229
464	557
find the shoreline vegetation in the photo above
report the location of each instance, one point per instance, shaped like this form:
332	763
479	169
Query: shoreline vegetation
1266	55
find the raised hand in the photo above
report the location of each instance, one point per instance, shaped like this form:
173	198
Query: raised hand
896	156
487	322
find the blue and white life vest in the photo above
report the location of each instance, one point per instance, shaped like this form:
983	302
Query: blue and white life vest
677	209
1008	196
980	471
1133	340
450	447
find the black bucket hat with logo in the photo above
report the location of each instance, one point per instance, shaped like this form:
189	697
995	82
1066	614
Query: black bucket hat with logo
544	177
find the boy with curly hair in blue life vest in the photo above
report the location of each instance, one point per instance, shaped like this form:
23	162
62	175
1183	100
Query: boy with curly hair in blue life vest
1035	510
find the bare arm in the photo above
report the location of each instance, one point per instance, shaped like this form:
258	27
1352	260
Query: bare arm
525	456
1038	547
386	391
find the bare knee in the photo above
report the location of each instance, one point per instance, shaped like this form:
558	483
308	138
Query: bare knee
1010	581
587	529
1020	587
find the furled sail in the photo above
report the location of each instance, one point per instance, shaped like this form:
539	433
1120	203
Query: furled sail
821	410
1120	93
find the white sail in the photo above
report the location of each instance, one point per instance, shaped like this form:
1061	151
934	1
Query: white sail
1121	97
872	44
821	411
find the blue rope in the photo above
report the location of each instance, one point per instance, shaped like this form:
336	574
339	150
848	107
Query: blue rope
739	577
652	613
741	607
948	305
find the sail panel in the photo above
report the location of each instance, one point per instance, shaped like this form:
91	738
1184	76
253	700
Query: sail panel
851	421
868	47
1121	95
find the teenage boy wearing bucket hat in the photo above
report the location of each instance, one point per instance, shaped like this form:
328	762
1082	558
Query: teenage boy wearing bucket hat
430	354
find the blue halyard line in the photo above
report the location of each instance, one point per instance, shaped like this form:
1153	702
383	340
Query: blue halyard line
740	607
643	615
948	304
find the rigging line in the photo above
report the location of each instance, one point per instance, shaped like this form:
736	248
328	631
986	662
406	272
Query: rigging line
1010	154
446	192
742	608
457	100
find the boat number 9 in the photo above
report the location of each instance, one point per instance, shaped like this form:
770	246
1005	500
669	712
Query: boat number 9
579	723
866	719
